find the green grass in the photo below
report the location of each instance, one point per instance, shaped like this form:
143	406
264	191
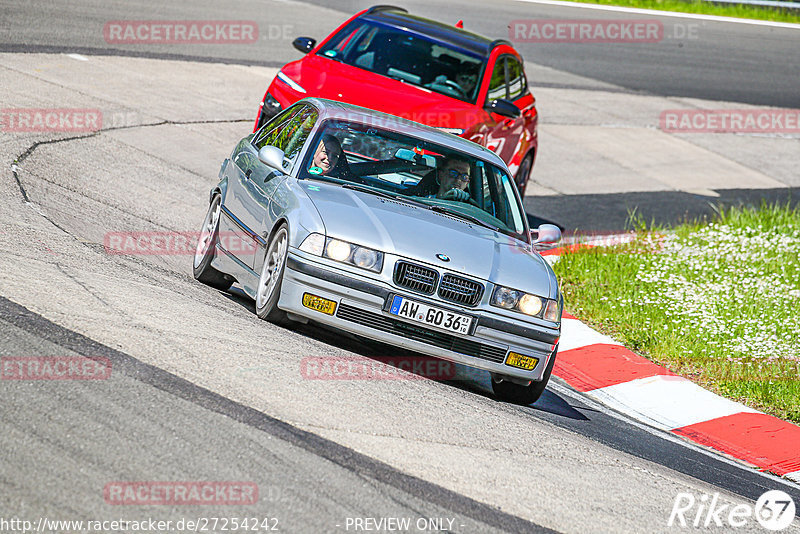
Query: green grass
718	302
706	8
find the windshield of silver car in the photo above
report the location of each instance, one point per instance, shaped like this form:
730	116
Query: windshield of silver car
389	163
408	57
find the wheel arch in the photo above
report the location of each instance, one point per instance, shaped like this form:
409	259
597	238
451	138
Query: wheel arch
268	239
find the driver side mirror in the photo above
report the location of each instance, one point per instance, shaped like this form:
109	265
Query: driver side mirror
271	157
304	44
503	107
546	234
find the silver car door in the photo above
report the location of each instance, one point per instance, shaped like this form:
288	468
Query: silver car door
290	137
256	183
235	236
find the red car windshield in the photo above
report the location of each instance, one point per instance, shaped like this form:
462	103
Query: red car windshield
407	57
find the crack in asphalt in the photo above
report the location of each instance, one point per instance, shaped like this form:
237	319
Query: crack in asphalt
15	166
84	286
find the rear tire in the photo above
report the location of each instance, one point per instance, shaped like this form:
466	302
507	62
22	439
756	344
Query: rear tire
524	395
204	251
524	174
269	283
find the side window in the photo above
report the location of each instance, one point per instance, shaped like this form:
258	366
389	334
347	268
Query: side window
342	44
517	84
497	84
508	189
270	131
288	132
296	132
486	201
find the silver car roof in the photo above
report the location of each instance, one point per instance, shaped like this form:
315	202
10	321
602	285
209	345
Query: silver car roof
331	109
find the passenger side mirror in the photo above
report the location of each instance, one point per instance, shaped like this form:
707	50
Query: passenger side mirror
304	44
271	157
546	234
503	107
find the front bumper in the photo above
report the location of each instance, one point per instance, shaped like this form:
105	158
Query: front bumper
361	308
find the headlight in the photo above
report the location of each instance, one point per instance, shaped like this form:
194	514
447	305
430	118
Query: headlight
273	107
519	301
366	258
530	304
505	298
290	82
338	250
363	257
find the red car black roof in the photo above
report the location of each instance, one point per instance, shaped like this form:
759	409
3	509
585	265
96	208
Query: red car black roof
401	19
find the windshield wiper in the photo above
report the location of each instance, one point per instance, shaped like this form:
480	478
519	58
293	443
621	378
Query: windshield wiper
363	189
470	218
383	194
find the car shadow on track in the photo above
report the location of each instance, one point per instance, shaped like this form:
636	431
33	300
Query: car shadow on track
465	378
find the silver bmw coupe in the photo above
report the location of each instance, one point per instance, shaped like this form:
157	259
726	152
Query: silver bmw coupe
390	230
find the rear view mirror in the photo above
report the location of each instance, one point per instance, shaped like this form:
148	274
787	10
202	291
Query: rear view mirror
503	107
406	154
304	44
271	157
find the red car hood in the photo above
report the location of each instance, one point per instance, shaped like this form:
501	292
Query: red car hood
326	78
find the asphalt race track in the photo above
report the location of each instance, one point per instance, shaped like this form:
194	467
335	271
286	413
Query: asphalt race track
201	390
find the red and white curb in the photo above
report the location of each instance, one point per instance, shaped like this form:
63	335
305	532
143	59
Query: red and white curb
605	371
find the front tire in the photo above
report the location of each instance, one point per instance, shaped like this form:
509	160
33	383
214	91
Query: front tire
271	279
524	173
524	395
204	252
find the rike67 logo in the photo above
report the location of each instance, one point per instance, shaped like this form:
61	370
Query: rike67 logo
774	510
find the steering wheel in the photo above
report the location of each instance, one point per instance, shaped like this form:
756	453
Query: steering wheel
453	85
451	195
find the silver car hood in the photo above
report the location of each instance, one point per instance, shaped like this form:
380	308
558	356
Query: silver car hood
417	233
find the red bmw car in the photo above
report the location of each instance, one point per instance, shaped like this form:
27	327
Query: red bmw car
386	59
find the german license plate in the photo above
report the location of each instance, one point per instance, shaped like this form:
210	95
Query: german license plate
430	315
318	303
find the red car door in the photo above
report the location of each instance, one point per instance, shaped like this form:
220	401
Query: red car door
509	138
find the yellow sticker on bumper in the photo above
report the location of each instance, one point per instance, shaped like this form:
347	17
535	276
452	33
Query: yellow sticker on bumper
521	361
319	304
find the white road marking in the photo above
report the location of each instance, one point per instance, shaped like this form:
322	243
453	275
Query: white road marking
78	57
564	390
575	334
655	12
667	402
